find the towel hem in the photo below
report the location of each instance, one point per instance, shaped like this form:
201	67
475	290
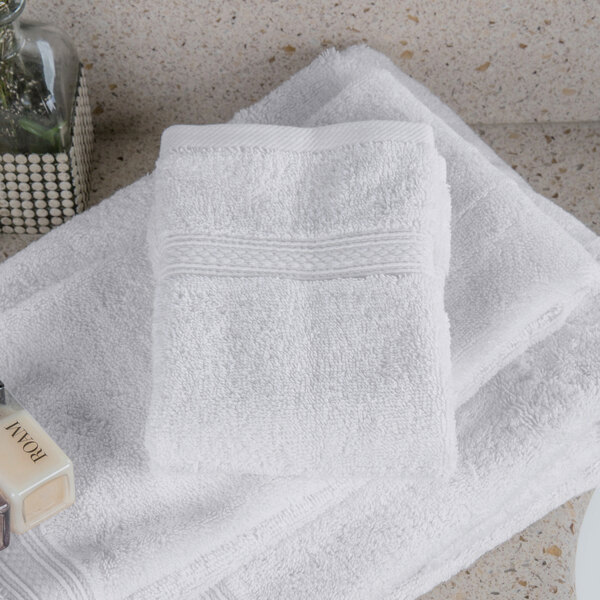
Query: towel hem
293	139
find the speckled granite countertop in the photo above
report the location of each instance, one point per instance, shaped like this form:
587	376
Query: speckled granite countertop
527	74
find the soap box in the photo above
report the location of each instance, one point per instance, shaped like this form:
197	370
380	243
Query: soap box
41	191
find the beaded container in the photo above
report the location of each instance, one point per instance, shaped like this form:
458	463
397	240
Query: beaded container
41	191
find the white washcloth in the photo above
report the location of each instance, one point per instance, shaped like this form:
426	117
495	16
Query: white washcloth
75	323
299	323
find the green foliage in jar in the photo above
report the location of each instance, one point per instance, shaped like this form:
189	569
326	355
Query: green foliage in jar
38	69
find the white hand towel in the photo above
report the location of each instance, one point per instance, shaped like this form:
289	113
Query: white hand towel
514	276
299	319
77	343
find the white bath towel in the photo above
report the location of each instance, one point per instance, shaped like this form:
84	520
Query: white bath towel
80	359
76	311
299	323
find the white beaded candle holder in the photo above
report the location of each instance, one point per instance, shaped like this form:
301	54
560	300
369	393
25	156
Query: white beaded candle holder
41	191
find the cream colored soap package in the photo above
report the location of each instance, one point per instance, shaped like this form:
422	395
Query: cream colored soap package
36	476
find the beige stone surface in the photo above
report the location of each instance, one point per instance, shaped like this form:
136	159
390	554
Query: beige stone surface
536	564
153	64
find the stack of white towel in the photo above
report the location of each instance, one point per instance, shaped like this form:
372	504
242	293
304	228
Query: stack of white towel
288	364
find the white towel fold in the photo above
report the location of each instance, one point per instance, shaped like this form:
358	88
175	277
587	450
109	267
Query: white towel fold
514	277
75	323
299	323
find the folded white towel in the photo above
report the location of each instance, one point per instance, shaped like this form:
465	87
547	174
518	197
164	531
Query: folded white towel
299	323
514	276
75	323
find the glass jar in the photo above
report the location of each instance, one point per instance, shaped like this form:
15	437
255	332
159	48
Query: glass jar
39	70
